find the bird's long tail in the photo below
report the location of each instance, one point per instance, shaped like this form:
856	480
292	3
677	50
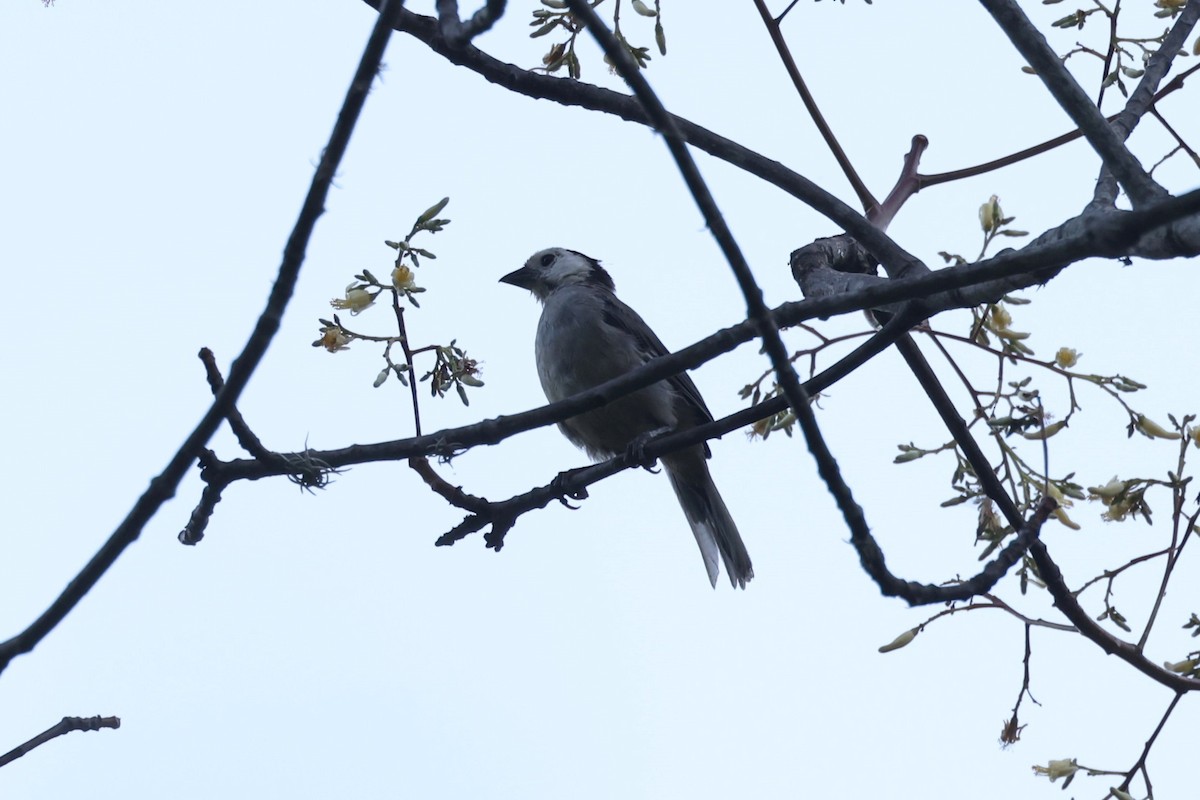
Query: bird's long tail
715	531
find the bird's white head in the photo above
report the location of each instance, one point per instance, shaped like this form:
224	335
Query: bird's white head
555	267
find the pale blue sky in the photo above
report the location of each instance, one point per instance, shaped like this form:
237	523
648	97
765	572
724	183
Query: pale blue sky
320	646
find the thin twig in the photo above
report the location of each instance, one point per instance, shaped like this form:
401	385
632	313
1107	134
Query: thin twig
925	181
865	198
408	360
451	494
1012	728
67	725
1031	44
571	92
1146	94
1048	570
1141	762
1113	17
1178	498
247	438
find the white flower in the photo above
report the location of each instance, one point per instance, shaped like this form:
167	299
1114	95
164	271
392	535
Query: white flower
403	278
333	339
1059	768
356	299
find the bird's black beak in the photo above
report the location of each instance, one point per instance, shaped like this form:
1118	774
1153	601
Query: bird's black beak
523	278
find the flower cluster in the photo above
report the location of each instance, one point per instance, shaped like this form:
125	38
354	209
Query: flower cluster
452	368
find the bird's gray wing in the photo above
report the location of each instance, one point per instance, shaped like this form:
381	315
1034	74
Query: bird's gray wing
625	319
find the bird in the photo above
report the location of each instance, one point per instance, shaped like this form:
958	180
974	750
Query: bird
585	337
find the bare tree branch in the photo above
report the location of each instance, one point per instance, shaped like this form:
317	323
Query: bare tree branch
1031	44
869	203
573	483
1142	99
571	92
1141	762
456	32
1144	95
1010	270
64	727
1048	570
162	488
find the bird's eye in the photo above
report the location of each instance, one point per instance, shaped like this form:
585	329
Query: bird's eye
547	259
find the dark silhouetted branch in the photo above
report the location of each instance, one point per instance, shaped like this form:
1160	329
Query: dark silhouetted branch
1047	569
67	725
869	203
457	32
1031	44
162	488
570	92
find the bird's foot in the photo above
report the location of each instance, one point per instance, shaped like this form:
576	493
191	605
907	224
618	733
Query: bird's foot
636	451
561	484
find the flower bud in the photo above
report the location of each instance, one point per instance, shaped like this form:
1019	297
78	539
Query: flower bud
1061	516
1187	665
1046	432
432	211
990	214
1152	429
900	641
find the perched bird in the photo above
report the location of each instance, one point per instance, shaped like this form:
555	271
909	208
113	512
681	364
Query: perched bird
586	336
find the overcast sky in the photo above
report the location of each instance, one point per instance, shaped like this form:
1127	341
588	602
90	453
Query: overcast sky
319	645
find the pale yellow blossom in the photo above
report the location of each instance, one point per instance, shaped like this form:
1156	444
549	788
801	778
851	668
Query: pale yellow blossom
1109	491
403	278
356	300
1059	768
1066	357
333	339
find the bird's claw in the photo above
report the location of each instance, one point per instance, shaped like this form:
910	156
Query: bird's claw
636	452
565	492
